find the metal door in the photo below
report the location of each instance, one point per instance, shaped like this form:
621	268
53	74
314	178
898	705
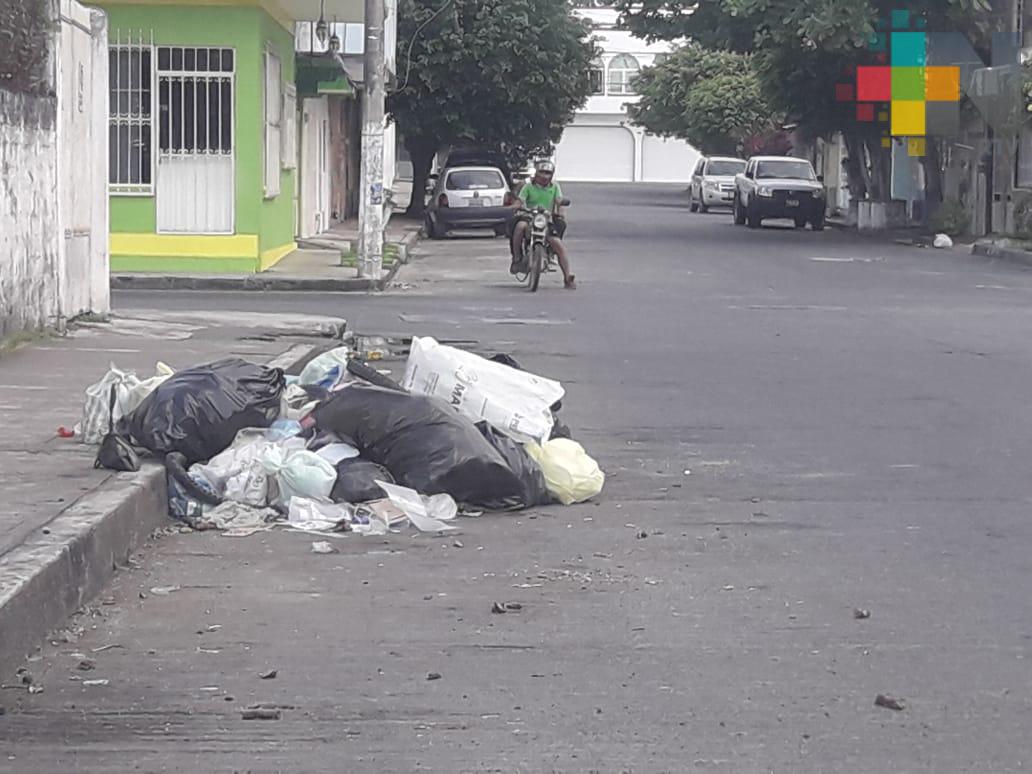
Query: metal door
195	165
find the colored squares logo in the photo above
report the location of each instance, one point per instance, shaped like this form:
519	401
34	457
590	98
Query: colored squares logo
942	84
908	118
908	83
873	84
897	88
908	49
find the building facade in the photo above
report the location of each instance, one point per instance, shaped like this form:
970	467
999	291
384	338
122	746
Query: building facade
601	144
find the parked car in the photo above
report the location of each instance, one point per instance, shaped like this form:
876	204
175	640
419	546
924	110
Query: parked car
469	198
713	182
779	187
479	157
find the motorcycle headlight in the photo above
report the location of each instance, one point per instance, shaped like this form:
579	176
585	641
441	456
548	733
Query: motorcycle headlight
764	191
540	221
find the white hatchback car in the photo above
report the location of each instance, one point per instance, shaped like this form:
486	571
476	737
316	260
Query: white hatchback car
469	198
713	182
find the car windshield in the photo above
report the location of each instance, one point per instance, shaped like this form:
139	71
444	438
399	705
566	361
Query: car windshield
787	170
475	180
725	168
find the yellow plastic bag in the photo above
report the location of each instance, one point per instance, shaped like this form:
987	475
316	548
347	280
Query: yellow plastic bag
570	474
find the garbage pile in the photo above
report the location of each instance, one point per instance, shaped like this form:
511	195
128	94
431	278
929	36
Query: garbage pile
343	447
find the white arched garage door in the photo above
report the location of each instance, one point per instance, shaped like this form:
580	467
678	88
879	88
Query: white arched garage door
667	161
602	153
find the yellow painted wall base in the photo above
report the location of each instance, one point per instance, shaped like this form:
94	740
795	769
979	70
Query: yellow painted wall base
270	258
189	253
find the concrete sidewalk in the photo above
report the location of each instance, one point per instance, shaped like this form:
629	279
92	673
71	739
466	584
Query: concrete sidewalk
322	264
65	525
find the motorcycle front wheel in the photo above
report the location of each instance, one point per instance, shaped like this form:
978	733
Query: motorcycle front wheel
537	263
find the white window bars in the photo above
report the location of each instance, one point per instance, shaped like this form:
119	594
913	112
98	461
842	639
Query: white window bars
273	94
195	101
130	113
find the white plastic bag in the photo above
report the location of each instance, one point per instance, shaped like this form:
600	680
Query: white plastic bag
427	514
514	402
942	241
299	473
147	386
129	393
570	474
320	369
96	411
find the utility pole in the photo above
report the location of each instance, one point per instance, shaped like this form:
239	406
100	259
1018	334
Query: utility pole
370	215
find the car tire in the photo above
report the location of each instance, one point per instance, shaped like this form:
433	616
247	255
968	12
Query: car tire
703	208
818	223
500	231
800	222
752	217
437	231
736	211
692	204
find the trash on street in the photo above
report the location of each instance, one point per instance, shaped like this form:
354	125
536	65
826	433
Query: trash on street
570	474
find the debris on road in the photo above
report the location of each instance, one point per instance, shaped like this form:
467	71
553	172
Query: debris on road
942	241
102	681
164	591
86	665
889	702
861	614
343	448
498	608
434	676
260	713
269	675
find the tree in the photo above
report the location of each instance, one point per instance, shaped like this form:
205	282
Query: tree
801	49
712	99
508	74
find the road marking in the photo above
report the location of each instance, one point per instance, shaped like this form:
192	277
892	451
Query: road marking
758	307
822	259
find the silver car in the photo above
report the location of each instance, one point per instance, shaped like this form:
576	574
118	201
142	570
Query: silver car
713	182
468	198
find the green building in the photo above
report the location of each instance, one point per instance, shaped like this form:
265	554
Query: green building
203	131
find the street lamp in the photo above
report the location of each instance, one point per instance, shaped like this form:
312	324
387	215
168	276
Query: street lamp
335	39
321	28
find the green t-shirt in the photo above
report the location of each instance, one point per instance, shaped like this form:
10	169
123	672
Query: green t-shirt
535	196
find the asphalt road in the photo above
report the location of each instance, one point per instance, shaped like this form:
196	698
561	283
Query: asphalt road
794	424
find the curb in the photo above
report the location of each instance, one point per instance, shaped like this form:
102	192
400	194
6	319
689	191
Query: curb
249	282
266	282
51	576
1022	257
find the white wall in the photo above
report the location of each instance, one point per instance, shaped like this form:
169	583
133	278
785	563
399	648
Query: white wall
53	184
30	278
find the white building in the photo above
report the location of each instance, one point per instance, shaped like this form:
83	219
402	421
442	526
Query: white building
601	144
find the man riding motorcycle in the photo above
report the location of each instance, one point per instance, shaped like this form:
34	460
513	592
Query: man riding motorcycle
542	192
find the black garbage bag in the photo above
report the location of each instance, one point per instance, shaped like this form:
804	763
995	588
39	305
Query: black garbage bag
115	452
198	412
429	447
356	481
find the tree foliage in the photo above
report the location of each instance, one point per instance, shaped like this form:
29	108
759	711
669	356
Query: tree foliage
801	49
506	74
712	99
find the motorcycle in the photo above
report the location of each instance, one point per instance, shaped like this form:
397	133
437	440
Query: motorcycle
538	255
